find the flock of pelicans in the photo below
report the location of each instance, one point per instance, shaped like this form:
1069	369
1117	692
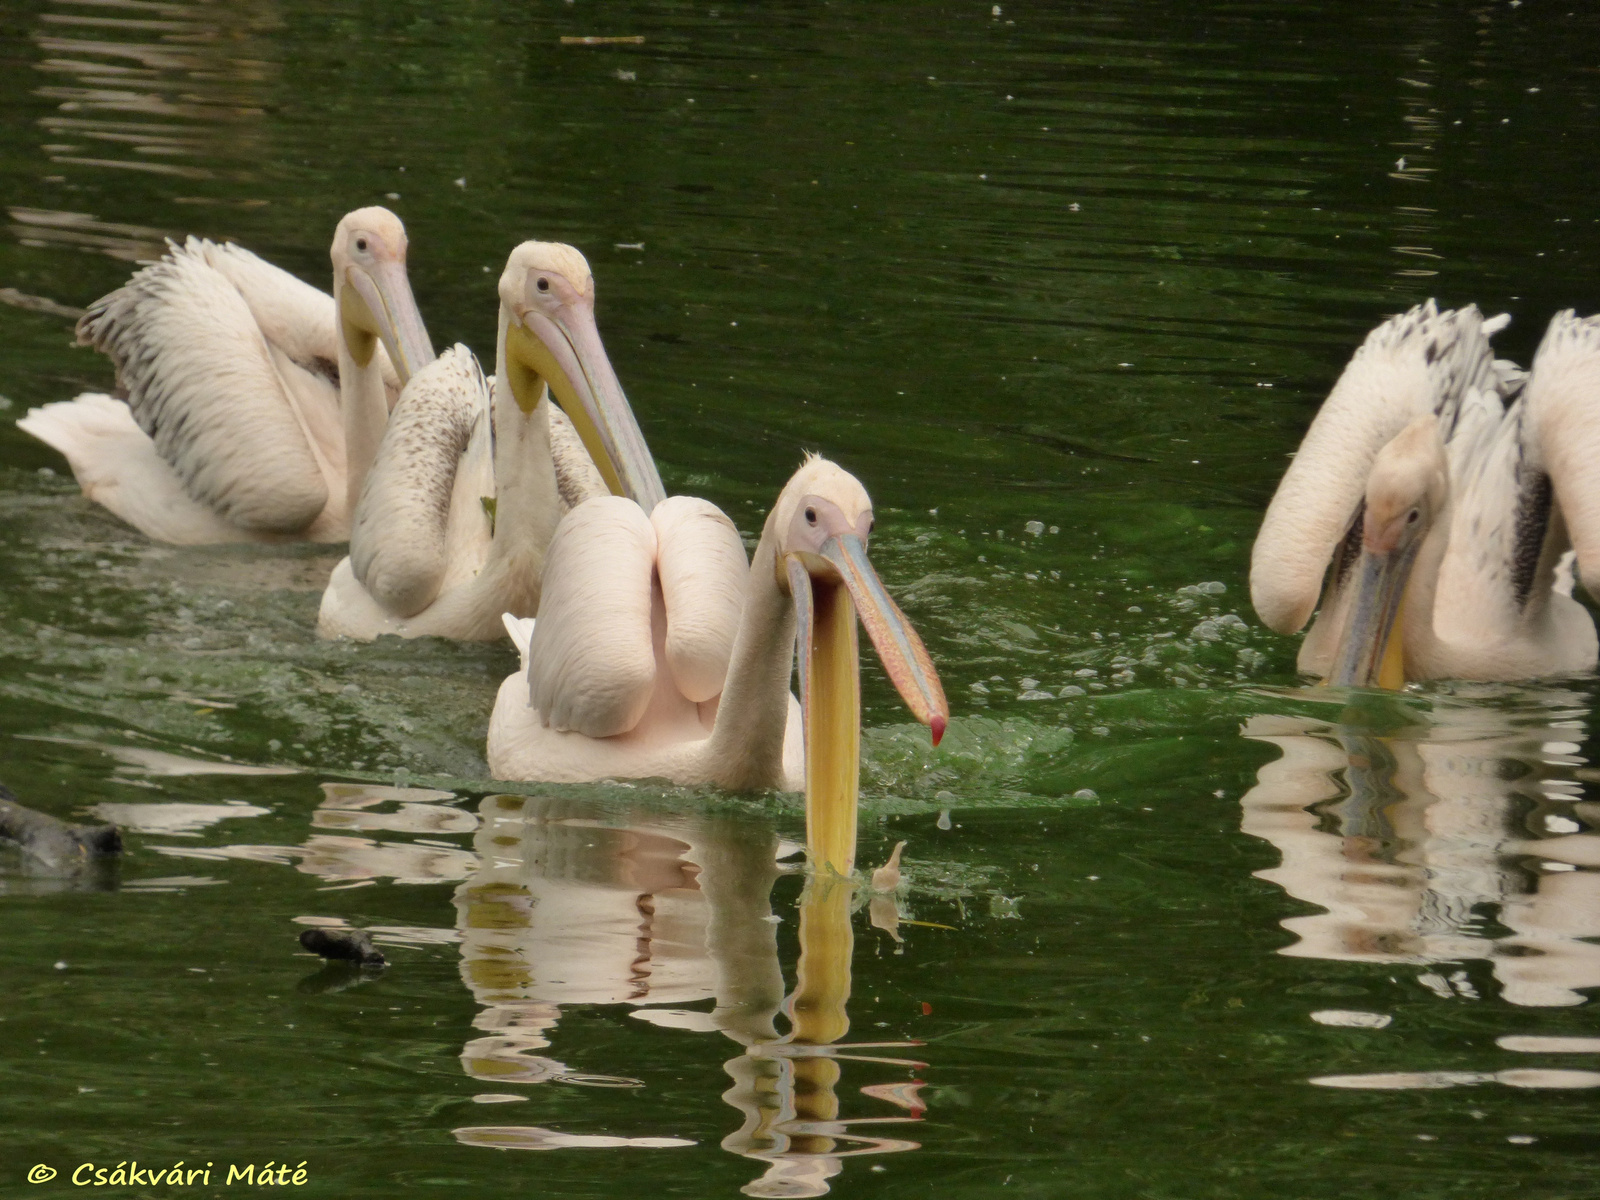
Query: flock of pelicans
1430	516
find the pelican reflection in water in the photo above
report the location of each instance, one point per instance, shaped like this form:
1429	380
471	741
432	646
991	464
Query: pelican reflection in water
345	850
1410	840
659	913
556	907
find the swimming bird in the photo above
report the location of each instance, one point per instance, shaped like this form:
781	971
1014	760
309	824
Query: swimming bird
658	653
468	485
253	401
1437	493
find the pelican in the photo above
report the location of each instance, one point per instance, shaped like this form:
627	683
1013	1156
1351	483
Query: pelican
658	654
254	402
468	484
1435	492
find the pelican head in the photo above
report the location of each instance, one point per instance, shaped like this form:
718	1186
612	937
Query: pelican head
373	293
547	305
822	521
1406	491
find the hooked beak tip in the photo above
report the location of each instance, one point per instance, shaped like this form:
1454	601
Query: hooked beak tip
937	724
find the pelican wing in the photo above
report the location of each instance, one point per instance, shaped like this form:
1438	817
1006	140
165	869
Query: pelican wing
296	319
1563	398
201	382
117	466
1420	362
399	547
291	314
703	570
1494	563
577	478
591	659
520	630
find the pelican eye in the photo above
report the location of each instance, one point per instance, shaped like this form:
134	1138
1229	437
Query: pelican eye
543	285
1413	517
811	516
361	245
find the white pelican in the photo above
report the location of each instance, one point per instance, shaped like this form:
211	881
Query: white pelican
1439	515
466	490
657	654
254	401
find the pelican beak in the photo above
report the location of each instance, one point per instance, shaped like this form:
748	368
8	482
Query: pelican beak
379	303
1370	653
899	648
829	589
566	352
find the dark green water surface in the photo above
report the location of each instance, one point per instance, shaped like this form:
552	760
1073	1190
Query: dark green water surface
1063	284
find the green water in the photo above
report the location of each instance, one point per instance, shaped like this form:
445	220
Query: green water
1063	285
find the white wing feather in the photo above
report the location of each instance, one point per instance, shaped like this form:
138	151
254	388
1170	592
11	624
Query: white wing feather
117	467
291	314
1563	399
591	658
520	630
703	571
201	382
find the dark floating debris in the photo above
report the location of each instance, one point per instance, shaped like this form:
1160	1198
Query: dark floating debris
41	304
53	843
345	945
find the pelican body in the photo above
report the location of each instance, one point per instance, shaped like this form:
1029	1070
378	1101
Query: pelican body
1433	504
469	481
658	653
252	402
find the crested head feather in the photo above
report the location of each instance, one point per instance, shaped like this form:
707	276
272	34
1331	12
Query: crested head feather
824	478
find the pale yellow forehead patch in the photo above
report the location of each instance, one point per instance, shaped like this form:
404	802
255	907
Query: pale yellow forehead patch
376	221
1411	468
555	257
819	477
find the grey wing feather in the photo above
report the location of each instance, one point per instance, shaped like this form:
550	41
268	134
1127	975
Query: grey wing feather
398	539
1500	515
199	380
577	478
